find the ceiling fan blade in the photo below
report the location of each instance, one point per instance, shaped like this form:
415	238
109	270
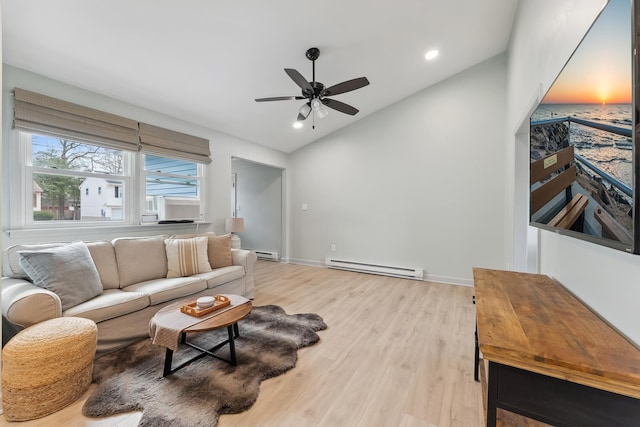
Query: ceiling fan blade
299	80
280	98
340	106
347	86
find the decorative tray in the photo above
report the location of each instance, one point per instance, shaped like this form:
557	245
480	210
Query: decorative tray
192	309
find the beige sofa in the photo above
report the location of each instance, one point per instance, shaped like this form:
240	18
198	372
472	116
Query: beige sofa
133	275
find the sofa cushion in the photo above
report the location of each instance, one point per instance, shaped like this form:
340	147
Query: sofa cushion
140	259
11	262
162	290
68	271
186	257
222	275
219	251
104	257
110	304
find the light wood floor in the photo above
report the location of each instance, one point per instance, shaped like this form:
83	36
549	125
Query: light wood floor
397	352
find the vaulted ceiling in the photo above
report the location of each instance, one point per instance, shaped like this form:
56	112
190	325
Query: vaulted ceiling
206	61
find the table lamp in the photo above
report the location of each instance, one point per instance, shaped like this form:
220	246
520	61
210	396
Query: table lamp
233	226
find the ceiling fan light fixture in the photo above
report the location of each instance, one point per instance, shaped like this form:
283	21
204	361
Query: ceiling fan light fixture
297	124
319	109
322	112
305	110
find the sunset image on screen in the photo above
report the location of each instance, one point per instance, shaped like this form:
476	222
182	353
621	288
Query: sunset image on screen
599	72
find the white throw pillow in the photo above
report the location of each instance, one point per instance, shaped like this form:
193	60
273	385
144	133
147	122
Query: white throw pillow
187	257
68	271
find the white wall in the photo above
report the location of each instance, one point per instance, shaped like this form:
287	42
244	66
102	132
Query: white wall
545	34
417	184
259	190
218	173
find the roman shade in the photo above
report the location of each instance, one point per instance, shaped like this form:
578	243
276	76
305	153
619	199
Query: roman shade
42	114
165	142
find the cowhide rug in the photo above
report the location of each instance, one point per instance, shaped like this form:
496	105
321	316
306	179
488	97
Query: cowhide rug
131	379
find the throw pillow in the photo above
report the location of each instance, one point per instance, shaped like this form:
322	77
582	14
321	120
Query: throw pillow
68	271
220	251
186	257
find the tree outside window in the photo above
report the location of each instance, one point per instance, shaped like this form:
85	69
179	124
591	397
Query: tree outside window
55	163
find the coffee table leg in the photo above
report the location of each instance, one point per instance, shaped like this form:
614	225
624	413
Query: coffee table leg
232	344
236	330
168	358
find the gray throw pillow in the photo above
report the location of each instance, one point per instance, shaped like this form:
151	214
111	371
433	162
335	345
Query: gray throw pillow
68	271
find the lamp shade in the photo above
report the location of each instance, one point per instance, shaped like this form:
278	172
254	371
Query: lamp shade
234	225
305	110
320	109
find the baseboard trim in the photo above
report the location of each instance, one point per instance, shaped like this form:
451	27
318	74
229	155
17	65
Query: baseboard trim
306	262
448	280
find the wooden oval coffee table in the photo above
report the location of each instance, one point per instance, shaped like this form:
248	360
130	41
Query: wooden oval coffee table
228	318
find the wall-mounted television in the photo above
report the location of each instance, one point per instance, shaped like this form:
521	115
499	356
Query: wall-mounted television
584	159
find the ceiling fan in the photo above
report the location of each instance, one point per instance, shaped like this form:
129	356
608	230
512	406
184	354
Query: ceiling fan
317	94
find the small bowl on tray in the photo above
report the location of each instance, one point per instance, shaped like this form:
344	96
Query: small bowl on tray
205	302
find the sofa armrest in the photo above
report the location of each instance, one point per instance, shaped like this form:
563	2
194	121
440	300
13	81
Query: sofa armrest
247	259
25	304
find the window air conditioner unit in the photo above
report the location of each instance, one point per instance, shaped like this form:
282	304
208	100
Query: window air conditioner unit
178	208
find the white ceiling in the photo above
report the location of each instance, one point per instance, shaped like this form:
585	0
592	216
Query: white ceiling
205	61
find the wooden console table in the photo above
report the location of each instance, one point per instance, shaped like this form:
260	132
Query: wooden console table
550	357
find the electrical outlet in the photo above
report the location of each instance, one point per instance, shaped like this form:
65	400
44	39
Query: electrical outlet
333	247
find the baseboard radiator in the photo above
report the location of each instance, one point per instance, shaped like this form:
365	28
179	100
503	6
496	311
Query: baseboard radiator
270	256
385	270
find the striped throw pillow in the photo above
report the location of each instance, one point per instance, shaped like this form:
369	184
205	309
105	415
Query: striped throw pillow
187	257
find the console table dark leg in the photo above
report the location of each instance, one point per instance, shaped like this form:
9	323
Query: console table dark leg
492	395
476	358
476	365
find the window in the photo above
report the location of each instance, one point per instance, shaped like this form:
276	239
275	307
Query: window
65	177
170	177
94	166
79	183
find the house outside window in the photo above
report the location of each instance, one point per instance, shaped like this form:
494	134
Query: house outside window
63	171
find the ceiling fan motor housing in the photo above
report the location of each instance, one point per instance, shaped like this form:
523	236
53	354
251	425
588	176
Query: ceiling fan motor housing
317	90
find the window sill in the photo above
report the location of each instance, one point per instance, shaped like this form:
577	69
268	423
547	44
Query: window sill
101	232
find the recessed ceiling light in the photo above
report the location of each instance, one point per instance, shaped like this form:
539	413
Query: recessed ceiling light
297	124
431	55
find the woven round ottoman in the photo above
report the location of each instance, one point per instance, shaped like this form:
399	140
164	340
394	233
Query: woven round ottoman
47	366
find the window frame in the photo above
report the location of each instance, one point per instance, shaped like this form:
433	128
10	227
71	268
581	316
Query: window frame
133	186
142	181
